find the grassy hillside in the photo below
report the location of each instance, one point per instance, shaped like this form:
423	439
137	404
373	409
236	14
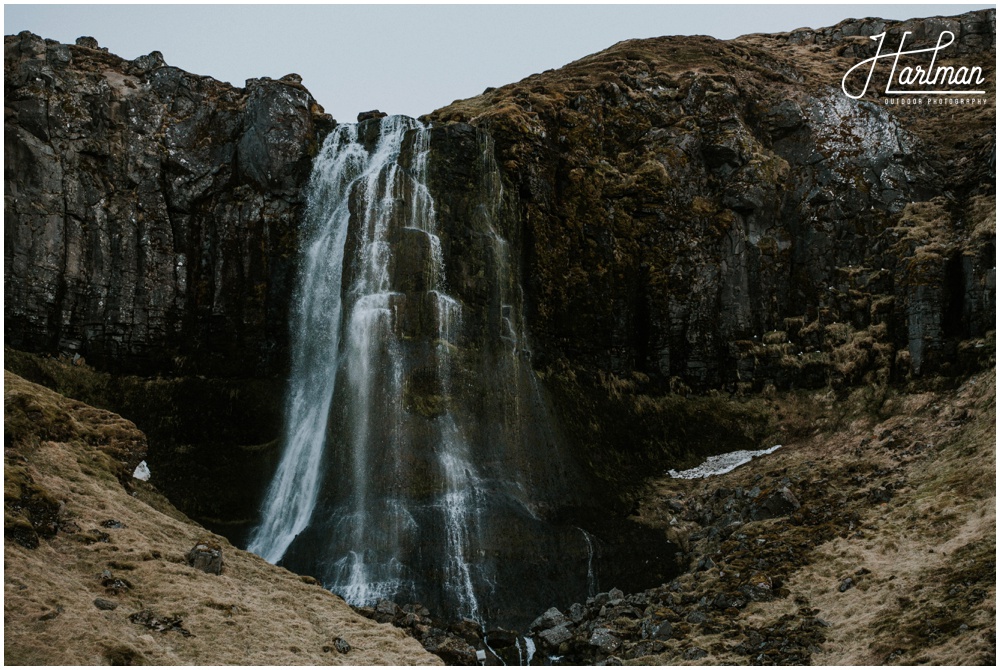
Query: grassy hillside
80	535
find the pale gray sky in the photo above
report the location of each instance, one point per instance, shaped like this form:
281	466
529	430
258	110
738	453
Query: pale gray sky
408	59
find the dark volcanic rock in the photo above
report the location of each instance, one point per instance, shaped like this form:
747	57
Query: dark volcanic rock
550	619
207	557
777	503
553	637
373	114
151	226
150	214
721	213
605	641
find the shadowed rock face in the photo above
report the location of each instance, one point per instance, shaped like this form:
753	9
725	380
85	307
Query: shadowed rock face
150	213
151	221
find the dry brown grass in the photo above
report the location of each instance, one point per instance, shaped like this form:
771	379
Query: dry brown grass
923	562
252	614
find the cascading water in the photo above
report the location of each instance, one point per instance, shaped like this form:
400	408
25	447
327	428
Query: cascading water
419	456
316	318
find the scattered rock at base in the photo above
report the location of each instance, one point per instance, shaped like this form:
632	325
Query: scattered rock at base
468	630
553	637
115	585
159	623
550	619
696	617
577	612
781	502
662	632
605	641
206	556
52	614
500	638
695	654
846	584
758	588
341	645
454	651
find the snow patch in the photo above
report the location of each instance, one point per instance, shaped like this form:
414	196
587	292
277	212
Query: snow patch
721	464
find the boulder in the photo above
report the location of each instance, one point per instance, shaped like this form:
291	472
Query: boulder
550	619
206	556
454	651
770	505
553	637
387	607
605	641
500	638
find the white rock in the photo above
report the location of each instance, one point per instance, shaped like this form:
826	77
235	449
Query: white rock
142	472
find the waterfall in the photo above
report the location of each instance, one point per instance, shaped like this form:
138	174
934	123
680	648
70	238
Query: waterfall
419	457
316	314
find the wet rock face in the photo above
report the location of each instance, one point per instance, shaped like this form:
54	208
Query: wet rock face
150	213
683	198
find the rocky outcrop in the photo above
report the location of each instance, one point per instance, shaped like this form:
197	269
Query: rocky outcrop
721	214
151	227
700	215
150	214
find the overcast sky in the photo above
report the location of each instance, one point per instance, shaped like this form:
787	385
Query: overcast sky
407	59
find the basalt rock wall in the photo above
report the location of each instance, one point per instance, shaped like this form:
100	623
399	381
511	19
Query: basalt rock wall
150	230
719	214
150	214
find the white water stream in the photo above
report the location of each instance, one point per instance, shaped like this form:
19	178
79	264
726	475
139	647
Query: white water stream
316	316
371	195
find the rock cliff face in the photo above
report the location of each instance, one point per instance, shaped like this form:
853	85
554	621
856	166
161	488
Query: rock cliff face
151	221
722	214
150	213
